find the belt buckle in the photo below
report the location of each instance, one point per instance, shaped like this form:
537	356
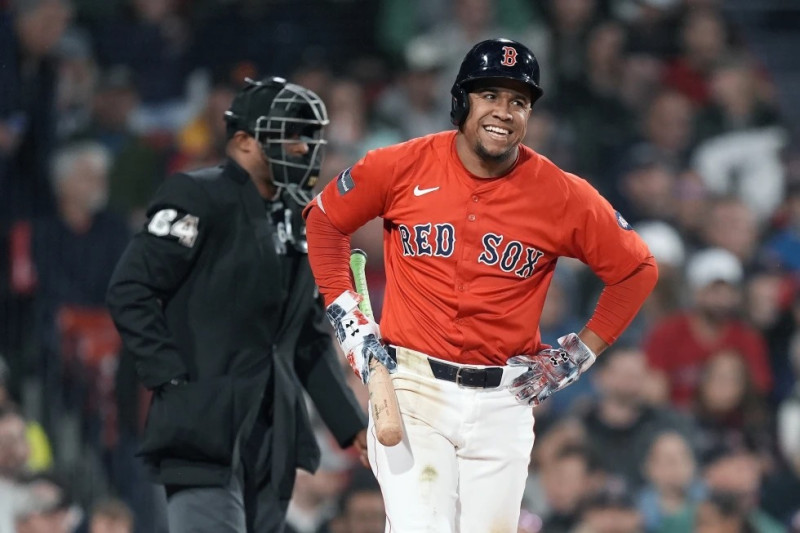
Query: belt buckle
468	370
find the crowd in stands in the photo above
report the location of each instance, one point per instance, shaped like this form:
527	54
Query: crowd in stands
691	422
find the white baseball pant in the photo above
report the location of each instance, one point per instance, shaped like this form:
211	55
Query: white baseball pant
463	461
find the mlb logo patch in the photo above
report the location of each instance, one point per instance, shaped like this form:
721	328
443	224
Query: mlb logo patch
622	222
345	183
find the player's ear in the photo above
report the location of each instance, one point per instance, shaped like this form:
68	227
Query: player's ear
242	141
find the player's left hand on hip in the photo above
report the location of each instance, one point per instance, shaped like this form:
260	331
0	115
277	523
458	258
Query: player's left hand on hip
550	370
358	334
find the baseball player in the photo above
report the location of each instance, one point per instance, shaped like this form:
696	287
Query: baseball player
474	223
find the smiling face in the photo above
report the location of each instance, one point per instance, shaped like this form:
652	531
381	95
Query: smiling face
498	119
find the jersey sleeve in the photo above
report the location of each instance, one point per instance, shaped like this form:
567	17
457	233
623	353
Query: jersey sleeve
359	193
599	235
151	269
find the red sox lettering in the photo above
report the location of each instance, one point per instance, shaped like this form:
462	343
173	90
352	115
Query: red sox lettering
438	240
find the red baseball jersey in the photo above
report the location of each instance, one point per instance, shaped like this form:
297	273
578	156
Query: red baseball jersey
469	260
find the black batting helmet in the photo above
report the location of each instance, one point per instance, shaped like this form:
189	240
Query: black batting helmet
493	58
278	113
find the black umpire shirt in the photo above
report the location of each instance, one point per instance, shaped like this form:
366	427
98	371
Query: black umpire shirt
217	287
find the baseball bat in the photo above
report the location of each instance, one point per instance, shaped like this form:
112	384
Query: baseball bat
382	398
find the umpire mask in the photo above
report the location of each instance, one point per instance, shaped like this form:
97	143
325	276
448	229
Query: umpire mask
277	114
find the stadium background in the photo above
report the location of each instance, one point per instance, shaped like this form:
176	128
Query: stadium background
682	112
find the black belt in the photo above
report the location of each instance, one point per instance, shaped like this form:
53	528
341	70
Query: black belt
464	376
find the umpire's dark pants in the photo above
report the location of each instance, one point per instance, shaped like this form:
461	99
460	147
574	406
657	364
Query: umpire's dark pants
240	507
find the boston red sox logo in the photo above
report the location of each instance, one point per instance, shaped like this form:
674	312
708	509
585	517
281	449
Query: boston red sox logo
509	56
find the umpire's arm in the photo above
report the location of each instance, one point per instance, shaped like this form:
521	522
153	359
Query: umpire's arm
150	270
319	368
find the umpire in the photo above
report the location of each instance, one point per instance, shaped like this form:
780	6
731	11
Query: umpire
217	303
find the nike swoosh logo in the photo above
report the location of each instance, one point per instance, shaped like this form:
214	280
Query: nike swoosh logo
420	192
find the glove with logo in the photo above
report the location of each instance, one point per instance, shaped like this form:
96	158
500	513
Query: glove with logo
550	370
358	335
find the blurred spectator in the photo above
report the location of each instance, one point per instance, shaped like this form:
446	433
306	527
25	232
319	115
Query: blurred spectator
137	167
111	516
673	485
78	345
361	506
152	39
782	249
678	347
611	510
647	189
746	165
83	241
789	410
641	79
600	121
736	104
665	136
730	413
571	21
767	293
411	105
667	129
77	78
27	104
40	455
566	432
568	480
666	245
399	21
201	142
781	489
741	140
29	32
704	41
14	453
692	202
739	474
720	513
46	507
350	130
773	306
621	426
652	25
730	224
114	99
548	136
14	448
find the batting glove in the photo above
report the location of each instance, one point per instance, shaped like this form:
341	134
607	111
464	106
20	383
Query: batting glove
358	334
550	370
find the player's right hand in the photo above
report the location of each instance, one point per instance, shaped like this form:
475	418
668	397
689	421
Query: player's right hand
358	334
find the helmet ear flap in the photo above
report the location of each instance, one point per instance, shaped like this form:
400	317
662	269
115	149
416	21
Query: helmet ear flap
460	105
